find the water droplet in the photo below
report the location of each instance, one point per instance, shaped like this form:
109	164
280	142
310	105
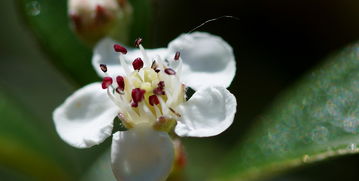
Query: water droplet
305	158
320	134
33	8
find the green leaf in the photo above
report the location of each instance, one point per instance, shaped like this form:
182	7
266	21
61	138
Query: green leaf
315	120
50	23
26	147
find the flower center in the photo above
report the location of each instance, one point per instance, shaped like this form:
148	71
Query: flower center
149	92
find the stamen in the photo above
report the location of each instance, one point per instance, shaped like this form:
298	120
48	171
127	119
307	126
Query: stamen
134	104
121	83
154	66
119	48
137	64
153	100
177	55
163	106
164	123
124	64
103	67
170	71
106	82
161	84
144	54
145	112
119	91
138	42
174	112
125	121
137	96
160	89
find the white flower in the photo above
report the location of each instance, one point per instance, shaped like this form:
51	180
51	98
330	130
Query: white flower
146	90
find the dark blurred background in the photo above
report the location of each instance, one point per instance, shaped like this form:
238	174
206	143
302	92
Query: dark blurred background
275	43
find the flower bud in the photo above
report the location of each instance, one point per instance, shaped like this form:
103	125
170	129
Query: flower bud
92	20
179	162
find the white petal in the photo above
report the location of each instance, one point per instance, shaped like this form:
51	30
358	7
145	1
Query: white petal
86	117
105	54
207	59
141	154
209	112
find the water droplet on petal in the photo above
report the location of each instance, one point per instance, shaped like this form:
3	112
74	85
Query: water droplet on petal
33	8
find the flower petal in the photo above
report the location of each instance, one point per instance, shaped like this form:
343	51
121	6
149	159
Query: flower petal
209	112
105	54
142	154
86	117
207	59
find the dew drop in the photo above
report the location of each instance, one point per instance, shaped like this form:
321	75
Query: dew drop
33	8
320	134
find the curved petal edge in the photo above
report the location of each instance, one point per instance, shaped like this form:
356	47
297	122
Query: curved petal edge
208	112
142	154
86	117
208	60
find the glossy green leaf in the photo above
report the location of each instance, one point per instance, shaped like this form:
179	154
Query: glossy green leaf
50	23
315	120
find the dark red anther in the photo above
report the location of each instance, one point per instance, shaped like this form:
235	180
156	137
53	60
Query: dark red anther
103	67
121	83
119	48
137	96
153	100
170	71
177	55
107	81
137	64
161	84
138	42
134	104
160	89
119	91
